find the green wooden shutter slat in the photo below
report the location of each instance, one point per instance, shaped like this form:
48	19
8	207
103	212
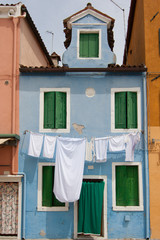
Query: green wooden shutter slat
120	110
131	110
120	185
60	118
47	186
49	108
56	203
93	45
132	186
83	51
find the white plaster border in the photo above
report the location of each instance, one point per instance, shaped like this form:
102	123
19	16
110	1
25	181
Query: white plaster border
113	91
127	208
41	118
79	31
39	197
15	178
104	222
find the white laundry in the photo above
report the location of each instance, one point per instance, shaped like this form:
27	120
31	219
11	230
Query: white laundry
35	144
89	147
49	146
101	145
70	156
131	141
117	143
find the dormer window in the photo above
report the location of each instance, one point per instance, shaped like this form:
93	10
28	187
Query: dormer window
89	44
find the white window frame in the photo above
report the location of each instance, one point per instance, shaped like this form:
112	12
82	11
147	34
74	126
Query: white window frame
41	119
79	31
39	197
127	208
115	90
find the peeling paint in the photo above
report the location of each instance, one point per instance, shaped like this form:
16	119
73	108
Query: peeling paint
42	233
78	127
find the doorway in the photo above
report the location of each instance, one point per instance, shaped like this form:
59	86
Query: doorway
90	220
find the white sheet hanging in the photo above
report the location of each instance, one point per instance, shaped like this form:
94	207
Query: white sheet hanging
49	146
35	144
117	143
70	156
101	145
131	141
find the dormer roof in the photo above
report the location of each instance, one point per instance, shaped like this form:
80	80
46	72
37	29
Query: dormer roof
88	10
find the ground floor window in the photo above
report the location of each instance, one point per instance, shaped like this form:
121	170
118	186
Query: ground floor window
127	186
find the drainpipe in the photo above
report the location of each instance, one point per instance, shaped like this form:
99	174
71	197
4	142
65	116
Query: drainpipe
14	78
147	215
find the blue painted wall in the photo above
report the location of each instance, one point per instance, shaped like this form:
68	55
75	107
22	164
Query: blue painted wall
95	114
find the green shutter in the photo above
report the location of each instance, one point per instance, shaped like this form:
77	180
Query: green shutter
132	186
83	51
127	192
93	45
47	187
120	185
131	110
89	45
49	105
120	110
60	119
56	203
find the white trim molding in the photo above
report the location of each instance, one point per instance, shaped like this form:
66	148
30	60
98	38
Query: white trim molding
101	17
39	197
41	118
113	91
140	187
104	211
79	31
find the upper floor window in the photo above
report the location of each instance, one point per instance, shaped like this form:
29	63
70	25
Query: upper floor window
54	110
89	44
125	113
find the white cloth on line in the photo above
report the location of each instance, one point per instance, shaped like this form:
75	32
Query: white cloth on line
35	144
49	146
101	145
131	141
88	156
117	143
70	156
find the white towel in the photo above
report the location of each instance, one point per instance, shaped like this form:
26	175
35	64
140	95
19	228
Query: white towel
49	146
117	143
70	156
101	145
131	141
35	144
88	156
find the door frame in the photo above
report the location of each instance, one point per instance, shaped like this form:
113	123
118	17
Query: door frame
15	179
104	210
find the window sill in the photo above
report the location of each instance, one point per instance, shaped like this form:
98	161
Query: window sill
122	130
128	208
53	209
45	130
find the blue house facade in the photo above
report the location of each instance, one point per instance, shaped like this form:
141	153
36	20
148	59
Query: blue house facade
91	98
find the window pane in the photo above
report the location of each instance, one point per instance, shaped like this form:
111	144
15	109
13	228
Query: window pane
127	192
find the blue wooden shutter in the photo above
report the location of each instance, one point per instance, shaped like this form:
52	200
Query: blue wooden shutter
60	120
120	110
131	110
49	109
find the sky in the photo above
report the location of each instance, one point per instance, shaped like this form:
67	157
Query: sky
48	15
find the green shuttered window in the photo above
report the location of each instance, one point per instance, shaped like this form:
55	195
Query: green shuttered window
127	190
89	45
54	110
48	197
126	110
